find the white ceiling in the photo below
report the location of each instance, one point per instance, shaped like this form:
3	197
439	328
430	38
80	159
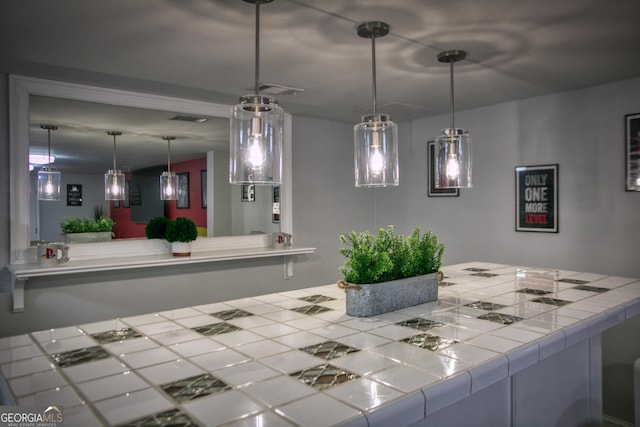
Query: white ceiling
204	49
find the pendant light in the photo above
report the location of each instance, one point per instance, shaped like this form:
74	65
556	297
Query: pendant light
256	131
114	178
48	178
376	138
168	179
453	148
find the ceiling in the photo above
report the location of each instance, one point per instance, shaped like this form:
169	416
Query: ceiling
204	50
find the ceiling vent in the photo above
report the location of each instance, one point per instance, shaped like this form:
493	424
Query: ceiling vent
276	89
191	119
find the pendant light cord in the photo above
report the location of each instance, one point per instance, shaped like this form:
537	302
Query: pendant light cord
168	139
49	148
257	76
452	98
168	154
114	152
373	68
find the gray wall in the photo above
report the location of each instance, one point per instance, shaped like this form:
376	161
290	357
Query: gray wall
582	131
52	213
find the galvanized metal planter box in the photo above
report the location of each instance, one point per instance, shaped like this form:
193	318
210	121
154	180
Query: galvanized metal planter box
377	298
89	237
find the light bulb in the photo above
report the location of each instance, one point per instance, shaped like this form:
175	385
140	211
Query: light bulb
48	187
168	190
255	156
115	186
376	161
453	167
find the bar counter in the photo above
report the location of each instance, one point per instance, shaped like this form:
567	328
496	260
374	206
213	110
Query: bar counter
502	345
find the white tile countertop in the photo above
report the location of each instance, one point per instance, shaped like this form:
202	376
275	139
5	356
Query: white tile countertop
296	358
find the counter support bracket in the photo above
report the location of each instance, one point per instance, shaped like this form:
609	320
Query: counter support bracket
288	266
17	294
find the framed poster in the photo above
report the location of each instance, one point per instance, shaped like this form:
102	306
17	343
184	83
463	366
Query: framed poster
432	191
74	194
275	204
183	191
537	198
126	202
203	188
248	193
632	151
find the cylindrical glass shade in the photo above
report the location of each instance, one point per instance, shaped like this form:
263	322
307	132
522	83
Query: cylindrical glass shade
453	159
49	184
376	152
256	141
114	185
168	186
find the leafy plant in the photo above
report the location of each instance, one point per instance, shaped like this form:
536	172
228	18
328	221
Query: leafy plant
97	212
156	227
389	256
181	230
86	225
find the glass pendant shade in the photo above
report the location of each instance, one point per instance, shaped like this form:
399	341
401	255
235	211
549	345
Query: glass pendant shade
49	184
256	141
453	159
376	152
257	124
49	179
168	186
168	179
376	137
114	185
114	178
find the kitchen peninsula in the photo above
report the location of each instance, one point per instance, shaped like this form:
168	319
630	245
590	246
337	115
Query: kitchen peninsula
503	345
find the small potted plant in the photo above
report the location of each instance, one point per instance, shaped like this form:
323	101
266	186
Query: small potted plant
180	233
86	230
156	227
389	271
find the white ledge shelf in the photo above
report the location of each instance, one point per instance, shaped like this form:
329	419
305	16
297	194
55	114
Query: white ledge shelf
149	254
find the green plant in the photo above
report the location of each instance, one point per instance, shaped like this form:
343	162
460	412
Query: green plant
97	212
389	256
86	225
156	227
181	230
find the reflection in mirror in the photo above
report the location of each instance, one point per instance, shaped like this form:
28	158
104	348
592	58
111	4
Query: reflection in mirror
84	152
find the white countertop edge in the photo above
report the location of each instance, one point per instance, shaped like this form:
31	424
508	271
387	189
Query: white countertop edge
25	271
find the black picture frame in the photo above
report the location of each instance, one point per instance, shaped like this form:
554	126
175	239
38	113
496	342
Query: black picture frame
74	194
432	191
537	198
183	191
248	193
126	202
203	188
632	152
275	204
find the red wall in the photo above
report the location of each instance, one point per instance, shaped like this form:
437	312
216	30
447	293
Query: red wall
124	228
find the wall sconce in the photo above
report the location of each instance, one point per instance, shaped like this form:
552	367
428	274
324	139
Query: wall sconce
114	178
48	178
453	148
376	137
256	131
168	179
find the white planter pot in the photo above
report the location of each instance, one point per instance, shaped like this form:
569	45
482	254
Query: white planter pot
377	298
181	248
